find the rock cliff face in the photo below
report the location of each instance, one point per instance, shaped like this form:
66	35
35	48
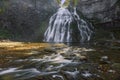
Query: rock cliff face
28	19
100	10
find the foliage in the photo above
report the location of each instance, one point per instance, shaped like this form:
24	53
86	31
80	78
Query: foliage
67	2
5	34
75	2
3	5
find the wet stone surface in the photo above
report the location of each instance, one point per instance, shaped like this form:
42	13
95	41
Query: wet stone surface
42	61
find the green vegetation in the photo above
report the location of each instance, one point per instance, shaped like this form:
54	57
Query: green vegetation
5	34
58	1
67	2
3	5
75	2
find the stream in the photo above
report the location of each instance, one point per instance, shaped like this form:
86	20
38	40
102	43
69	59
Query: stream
50	61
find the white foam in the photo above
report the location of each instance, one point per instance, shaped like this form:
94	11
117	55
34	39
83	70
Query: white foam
86	74
54	76
74	73
8	71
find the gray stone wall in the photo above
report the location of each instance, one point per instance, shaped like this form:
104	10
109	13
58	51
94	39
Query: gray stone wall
99	11
26	19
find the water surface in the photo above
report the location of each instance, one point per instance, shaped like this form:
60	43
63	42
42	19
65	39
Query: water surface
43	61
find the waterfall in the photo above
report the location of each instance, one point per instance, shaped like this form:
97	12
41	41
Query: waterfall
67	26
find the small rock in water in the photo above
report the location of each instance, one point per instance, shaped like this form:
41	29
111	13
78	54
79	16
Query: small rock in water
33	52
104	60
49	50
81	57
60	45
65	50
111	71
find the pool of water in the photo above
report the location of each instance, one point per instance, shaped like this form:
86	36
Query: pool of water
43	61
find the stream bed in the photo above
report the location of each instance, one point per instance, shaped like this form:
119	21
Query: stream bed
45	61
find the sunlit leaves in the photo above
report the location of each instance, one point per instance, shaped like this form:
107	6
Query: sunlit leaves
67	2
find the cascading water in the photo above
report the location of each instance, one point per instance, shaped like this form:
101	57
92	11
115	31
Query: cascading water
67	26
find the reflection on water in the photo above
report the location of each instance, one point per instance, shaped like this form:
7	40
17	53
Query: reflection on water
42	61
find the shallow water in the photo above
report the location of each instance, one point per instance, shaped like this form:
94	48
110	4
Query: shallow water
43	61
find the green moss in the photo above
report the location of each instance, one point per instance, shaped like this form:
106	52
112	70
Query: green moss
75	2
1	10
4	5
5	34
